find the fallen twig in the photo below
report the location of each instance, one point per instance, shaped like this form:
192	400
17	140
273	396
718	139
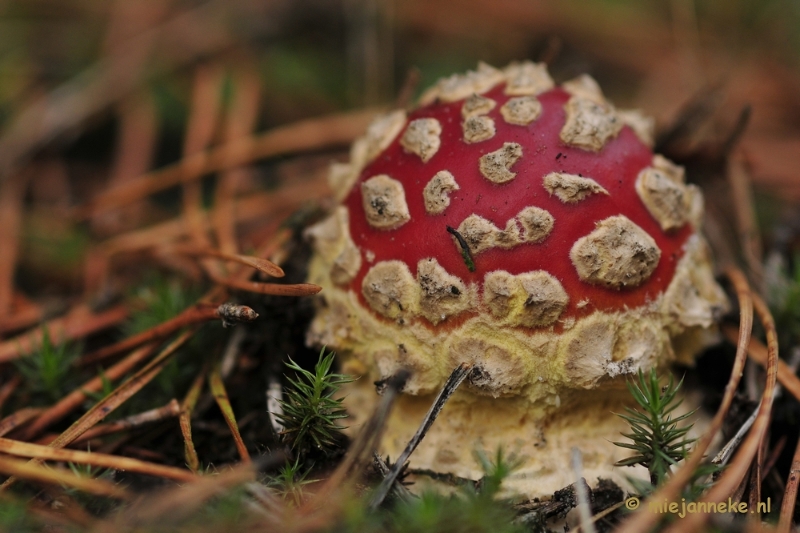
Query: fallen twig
456	378
171	410
366	441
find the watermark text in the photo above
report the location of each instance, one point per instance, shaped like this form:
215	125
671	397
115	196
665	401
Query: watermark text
682	508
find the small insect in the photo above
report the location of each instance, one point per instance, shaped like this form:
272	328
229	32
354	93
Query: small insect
232	314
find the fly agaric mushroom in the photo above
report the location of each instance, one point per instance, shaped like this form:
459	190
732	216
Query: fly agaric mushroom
525	228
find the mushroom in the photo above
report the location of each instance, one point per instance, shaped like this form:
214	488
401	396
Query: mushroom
525	228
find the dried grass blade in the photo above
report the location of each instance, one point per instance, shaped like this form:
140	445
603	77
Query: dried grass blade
642	520
74	399
738	468
37	451
187	408
41	474
79	323
217	387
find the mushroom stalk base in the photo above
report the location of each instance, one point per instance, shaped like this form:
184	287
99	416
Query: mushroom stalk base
544	441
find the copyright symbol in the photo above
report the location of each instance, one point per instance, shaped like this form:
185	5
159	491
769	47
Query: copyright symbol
632	503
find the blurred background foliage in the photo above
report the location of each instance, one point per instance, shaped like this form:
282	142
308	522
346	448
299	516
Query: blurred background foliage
99	97
96	93
314	56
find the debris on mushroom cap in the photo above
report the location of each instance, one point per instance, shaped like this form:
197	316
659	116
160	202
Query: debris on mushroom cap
522	226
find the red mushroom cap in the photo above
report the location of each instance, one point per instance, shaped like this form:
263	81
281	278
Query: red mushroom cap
510	216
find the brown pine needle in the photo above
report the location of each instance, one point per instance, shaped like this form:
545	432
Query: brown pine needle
121	394
193	315
643	520
256	206
240	123
78	323
41	474
12	193
187	408
74	399
174	504
262	265
217	387
313	134
37	451
741	194
18	418
23	315
760	354
8	388
171	410
738	468
203	117
269	247
275	289
790	495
